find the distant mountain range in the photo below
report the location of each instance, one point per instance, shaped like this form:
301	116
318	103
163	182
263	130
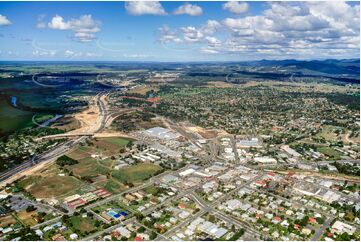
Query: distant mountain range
329	66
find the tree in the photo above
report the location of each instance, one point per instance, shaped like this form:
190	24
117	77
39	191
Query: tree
65	160
141	229
30	208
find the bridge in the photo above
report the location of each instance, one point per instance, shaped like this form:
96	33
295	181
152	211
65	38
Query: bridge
66	135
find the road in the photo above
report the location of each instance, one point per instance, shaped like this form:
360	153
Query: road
234	147
319	232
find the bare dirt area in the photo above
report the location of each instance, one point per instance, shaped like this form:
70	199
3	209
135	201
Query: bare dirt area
28	218
89	118
324	176
6	221
205	133
220	84
67	123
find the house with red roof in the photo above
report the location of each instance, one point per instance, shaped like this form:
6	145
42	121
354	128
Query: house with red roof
312	220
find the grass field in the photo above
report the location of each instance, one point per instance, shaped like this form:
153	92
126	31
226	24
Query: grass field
333	154
117	141
136	173
40	118
110	146
143	89
82	224
88	167
328	133
114	187
52	185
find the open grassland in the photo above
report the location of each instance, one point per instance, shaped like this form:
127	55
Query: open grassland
85	225
40	118
90	171
328	132
114	186
333	154
49	184
54	186
143	89
88	167
100	146
136	173
117	141
109	146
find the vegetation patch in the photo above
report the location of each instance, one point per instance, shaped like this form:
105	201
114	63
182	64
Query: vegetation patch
88	167
53	185
333	154
65	160
136	173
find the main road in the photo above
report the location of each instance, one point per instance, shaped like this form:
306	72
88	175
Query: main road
58	150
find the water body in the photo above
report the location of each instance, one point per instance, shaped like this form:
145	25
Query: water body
13	101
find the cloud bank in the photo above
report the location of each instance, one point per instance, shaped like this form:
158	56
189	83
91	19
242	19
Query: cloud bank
282	30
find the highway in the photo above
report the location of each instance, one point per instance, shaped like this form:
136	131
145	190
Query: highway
58	150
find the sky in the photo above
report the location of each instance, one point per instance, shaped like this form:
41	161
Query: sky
178	31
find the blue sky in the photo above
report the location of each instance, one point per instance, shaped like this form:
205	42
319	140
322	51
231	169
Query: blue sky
178	31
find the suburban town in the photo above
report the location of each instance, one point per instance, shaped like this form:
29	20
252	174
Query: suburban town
243	127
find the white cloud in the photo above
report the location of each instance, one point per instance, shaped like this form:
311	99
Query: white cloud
69	53
213	42
4	21
211	27
191	34
57	22
84	28
168	36
190	9
208	50
288	30
73	54
145	7
236	7
136	56
44	53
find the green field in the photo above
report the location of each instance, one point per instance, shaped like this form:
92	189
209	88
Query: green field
12	119
333	154
113	186
88	167
117	141
43	117
85	225
136	173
